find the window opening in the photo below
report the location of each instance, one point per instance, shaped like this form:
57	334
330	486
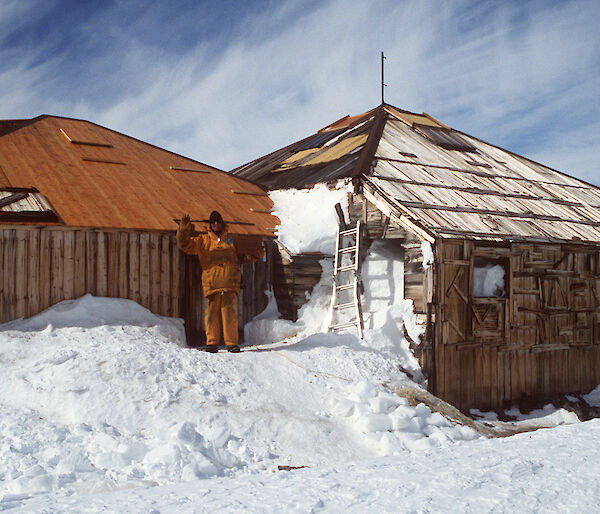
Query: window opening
490	277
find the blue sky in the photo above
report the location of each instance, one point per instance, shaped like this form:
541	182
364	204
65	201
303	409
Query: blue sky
227	81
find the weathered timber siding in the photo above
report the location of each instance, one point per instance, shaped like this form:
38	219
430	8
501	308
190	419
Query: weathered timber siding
42	266
294	281
540	340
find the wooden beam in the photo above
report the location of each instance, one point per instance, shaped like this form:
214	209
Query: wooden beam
254	193
400	219
103	161
88	143
196	170
15	197
226	222
511	214
481	191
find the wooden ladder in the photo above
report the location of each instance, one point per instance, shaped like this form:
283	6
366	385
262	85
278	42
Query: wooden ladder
346	278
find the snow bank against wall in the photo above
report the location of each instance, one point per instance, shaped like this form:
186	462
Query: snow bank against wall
308	218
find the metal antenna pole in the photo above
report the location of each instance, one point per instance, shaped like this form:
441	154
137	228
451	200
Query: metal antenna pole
383	84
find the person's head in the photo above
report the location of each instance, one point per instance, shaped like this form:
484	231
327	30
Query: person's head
215	222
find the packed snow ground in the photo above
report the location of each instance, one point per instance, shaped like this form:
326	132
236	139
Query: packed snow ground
104	408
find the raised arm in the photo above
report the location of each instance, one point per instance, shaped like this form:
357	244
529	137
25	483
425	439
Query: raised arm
188	244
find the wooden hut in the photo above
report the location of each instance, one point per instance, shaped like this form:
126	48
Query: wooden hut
85	209
535	335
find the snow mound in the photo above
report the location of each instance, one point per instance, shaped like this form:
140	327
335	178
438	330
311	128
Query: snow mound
308	218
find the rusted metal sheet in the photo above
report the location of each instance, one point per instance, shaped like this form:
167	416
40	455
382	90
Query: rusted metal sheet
99	178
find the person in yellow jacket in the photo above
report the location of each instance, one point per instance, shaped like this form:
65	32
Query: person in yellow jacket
221	277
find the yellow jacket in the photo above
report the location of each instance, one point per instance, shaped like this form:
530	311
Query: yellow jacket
219	258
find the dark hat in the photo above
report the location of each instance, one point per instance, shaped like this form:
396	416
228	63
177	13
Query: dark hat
215	216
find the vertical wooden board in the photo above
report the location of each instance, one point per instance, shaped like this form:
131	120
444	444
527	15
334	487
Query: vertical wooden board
564	376
145	270
575	369
536	374
2	273
21	274
176	296
45	268
557	372
240	310
102	265
113	264
57	292
165	275
494	383
69	264
487	377
515	376
91	262
134	267
480	376
547	377
469	375
587	371
499	394
453	376
80	264
439	385
10	242
572	366
123	273
508	377
155	254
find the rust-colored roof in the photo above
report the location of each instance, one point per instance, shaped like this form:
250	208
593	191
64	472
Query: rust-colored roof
440	182
99	178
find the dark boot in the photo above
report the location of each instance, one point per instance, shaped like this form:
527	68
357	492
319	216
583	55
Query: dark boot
211	348
234	349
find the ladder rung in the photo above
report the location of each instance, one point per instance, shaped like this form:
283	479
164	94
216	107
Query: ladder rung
344	305
344	287
352	323
348	250
348	267
349	231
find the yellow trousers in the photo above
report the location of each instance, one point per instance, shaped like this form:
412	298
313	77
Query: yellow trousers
221	316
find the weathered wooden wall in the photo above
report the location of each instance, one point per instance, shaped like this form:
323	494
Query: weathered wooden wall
541	339
294	280
43	266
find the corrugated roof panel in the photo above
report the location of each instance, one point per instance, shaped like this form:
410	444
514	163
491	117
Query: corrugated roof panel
345	146
89	187
318	140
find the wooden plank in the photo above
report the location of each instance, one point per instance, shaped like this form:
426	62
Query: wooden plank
2	273
134	267
508	378
102	264
123	273
10	242
145	270
57	293
91	241
165	275
21	274
481	377
113	265
45	277
79	285
175	296
69	265
155	254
